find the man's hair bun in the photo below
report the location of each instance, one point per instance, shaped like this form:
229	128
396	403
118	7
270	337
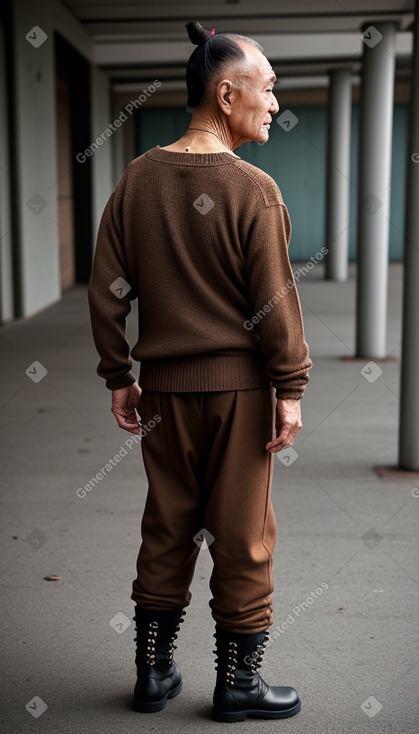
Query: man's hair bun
208	59
197	33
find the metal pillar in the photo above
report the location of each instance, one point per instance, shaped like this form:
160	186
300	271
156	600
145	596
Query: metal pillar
409	397
338	174
376	118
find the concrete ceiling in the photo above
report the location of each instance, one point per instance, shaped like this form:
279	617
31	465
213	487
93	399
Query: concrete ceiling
138	41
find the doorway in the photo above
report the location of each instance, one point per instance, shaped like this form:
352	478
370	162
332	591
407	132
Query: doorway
65	179
74	178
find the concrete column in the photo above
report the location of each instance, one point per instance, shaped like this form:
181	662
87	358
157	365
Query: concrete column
338	174
118	145
376	121
409	397
101	116
34	143
7	263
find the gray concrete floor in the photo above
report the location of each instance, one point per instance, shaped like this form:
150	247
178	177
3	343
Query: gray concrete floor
349	650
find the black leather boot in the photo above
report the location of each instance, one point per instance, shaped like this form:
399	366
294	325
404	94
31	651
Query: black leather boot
159	677
239	690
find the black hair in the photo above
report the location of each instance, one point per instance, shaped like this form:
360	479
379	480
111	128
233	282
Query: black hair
212	52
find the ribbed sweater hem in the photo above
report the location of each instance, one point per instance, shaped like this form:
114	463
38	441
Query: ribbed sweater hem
203	373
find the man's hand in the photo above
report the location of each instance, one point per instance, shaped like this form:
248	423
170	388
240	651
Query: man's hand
125	402
287	425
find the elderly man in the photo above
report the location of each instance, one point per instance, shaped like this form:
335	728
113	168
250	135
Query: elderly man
201	238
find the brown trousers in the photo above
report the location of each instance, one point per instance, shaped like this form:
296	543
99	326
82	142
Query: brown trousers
208	470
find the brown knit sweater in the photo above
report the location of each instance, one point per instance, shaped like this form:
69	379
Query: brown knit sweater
202	241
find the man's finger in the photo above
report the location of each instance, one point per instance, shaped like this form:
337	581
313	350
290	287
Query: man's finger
130	427
128	423
284	439
278	445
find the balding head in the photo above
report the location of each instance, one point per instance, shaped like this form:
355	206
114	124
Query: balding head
210	58
230	83
252	66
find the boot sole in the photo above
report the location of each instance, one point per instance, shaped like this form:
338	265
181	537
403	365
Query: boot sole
226	716
152	708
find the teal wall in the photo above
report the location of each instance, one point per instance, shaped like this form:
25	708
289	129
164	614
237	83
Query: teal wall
297	161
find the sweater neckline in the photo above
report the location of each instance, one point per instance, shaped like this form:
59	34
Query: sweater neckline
190	159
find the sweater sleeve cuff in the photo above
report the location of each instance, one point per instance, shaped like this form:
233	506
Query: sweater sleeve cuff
117	382
287	395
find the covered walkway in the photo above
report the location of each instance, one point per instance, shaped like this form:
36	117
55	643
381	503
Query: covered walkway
346	594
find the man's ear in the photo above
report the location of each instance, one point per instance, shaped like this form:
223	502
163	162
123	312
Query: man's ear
224	89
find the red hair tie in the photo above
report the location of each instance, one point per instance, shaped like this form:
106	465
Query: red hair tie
212	31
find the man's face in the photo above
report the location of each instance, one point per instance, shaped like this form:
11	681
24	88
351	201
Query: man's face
252	100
